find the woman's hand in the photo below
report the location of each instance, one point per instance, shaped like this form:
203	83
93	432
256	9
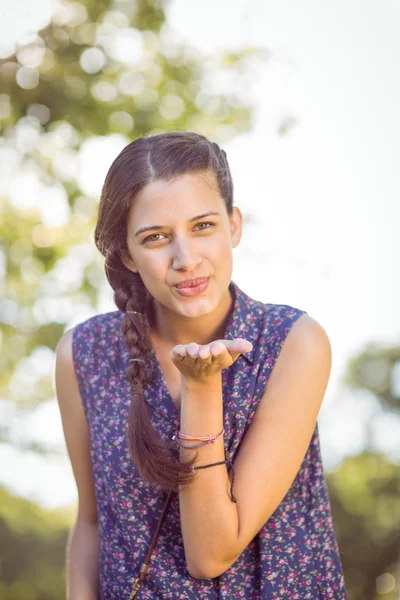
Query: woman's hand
203	362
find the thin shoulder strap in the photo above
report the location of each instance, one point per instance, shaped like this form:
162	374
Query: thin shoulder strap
145	565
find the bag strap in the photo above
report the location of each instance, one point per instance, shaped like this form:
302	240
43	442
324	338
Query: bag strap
146	562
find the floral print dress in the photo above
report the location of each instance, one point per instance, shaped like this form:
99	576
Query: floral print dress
294	556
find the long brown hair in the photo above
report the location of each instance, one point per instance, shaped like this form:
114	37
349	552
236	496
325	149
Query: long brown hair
146	159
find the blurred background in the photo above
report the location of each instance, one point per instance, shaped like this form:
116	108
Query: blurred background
304	99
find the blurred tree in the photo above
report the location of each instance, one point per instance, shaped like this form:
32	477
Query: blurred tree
32	550
101	71
365	489
109	69
377	370
116	70
365	493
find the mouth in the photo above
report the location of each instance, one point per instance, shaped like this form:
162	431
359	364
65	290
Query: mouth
191	283
192	287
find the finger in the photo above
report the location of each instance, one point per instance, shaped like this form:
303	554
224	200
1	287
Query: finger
204	352
192	349
239	345
217	348
178	351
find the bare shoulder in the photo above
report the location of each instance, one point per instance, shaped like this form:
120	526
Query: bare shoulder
64	374
300	375
64	346
75	426
65	382
309	336
309	326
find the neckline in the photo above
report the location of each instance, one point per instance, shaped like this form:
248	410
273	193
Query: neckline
160	373
241	323
163	382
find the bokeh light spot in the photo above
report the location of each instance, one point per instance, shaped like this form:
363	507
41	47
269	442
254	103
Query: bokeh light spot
385	583
171	107
5	106
104	91
92	60
31	55
131	83
71	14
26	78
43	236
126	46
121	121
41	112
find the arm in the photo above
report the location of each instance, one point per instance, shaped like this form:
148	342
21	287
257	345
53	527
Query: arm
82	548
215	530
82	561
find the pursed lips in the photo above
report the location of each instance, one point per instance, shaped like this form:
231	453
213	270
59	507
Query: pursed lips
191	282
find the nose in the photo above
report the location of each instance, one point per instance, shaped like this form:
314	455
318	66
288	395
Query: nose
185	256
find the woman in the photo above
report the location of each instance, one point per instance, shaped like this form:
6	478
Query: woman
189	355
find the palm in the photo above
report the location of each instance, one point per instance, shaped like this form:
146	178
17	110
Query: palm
198	362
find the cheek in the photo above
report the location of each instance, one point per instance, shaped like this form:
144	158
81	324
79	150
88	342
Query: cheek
220	249
153	263
150	274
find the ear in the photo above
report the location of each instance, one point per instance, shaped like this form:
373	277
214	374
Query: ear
236	219
128	262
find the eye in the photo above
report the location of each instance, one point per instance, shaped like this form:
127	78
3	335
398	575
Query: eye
202	227
150	238
209	223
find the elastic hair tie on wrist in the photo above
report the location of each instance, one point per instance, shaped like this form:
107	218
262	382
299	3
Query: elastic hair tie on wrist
193	447
208	438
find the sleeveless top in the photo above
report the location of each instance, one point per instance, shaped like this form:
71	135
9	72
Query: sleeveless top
295	555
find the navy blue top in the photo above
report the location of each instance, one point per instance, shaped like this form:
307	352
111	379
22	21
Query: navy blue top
294	556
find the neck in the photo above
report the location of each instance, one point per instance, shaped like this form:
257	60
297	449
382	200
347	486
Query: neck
172	329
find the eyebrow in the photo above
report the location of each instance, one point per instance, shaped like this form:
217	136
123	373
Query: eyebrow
153	227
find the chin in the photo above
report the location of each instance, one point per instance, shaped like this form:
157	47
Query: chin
196	311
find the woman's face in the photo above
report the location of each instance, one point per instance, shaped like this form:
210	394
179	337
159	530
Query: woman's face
188	235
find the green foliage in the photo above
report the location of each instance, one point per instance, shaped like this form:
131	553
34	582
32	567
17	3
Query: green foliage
53	97
365	490
365	499
55	94
98	68
373	369
32	549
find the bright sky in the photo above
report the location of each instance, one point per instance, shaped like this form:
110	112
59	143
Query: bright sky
324	198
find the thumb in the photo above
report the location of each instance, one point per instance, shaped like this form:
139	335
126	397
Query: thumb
238	346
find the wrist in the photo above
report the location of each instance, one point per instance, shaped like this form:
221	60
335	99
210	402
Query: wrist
203	384
204	397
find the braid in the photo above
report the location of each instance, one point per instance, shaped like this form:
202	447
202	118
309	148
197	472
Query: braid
147	159
152	455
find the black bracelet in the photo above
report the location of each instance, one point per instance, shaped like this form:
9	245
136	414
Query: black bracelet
230	466
210	465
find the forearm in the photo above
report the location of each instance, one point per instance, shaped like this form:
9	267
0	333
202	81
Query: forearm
209	518
82	562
